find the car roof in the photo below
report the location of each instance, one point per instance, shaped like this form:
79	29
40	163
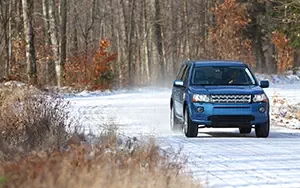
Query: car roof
216	63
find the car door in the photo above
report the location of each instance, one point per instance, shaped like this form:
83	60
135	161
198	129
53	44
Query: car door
182	90
176	91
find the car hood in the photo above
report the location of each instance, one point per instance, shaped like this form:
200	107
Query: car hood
217	90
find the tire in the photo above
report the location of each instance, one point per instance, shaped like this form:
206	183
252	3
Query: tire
245	130
262	130
175	124
190	129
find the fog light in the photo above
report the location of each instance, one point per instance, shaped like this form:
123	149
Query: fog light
200	109
262	110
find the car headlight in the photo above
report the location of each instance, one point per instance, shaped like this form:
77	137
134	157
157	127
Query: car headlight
200	98
260	98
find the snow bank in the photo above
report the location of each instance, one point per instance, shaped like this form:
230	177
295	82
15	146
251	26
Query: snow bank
285	112
279	79
13	84
86	93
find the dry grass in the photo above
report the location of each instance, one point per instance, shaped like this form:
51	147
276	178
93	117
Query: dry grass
102	165
30	120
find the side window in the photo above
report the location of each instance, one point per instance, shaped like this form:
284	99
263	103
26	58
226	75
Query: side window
183	73
180	72
185	76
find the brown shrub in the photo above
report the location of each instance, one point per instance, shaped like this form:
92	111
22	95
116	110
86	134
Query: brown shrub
30	119
96	166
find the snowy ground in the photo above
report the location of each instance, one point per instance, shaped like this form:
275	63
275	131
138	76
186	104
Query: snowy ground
218	157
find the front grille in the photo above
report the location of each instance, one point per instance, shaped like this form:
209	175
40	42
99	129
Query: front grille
231	99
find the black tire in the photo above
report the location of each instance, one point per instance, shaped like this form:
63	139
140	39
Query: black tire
190	129
262	130
245	130
175	124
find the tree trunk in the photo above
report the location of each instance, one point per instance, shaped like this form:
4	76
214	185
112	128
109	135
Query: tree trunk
6	46
145	42
268	47
119	49
46	21
174	47
159	38
5	21
19	21
28	9
75	32
89	24
131	44
9	48
63	42
187	33
49	67
54	40
296	61
260	58
119	63
113	33
205	38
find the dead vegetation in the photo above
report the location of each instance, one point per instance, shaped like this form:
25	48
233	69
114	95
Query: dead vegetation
95	166
36	151
30	119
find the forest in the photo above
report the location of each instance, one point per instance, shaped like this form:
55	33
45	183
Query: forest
102	44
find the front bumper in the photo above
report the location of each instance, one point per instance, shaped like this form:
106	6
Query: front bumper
229	115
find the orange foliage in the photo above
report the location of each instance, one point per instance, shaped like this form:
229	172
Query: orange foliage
18	56
227	37
284	53
19	47
96	72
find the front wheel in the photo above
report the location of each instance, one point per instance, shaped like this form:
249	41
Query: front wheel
190	128
262	130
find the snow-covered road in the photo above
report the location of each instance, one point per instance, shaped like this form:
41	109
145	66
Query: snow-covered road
218	157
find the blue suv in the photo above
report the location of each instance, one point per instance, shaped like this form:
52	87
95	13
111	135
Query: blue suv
219	94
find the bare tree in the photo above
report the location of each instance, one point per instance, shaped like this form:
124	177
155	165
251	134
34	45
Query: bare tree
63	42
28	9
159	38
130	42
6	23
50	67
54	38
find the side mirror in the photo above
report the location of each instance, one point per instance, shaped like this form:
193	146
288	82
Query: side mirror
178	83
264	84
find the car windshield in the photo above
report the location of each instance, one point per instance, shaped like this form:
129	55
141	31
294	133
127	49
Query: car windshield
222	76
